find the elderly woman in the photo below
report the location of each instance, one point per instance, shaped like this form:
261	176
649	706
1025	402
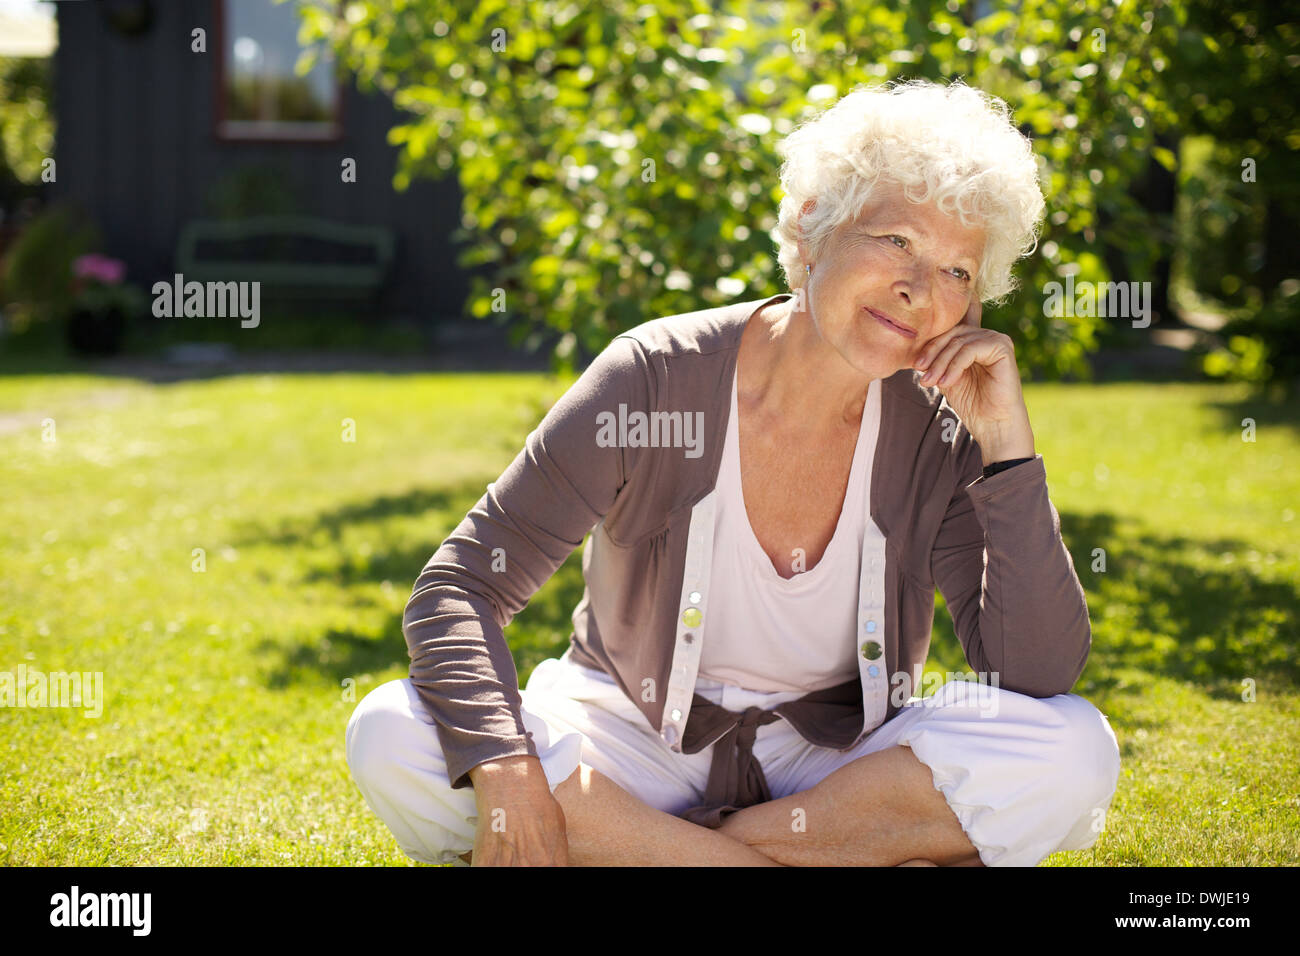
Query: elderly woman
773	490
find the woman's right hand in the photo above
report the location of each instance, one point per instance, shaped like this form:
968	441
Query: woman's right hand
520	823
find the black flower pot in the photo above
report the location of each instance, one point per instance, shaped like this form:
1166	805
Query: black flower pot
96	332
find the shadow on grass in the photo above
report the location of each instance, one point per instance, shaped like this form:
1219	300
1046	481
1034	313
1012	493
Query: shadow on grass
1160	609
539	631
1264	412
1187	614
339	654
443	506
1165	605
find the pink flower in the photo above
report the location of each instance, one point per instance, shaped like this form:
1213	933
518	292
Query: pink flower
101	268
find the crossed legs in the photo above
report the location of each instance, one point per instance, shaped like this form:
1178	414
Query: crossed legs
881	809
607	826
1028	777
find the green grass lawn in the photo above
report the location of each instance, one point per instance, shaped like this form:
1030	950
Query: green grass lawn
227	691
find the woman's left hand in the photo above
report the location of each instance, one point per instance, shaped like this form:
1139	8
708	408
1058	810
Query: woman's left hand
976	371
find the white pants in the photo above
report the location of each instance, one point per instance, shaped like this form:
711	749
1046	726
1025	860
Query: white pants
1025	776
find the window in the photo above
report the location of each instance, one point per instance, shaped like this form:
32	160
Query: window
260	93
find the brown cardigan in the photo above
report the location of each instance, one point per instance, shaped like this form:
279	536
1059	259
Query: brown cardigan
991	545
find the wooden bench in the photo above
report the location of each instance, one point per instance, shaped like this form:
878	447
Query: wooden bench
294	257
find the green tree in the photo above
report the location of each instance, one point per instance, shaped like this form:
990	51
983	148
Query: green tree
26	123
618	161
1241	193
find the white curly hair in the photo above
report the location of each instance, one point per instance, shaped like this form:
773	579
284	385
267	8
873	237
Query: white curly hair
952	145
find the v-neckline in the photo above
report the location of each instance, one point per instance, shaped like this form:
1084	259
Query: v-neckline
753	545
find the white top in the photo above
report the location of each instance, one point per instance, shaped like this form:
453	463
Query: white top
785	637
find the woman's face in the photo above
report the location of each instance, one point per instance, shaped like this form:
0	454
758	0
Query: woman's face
898	260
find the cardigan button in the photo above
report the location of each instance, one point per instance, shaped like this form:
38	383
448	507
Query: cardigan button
691	617
695	597
871	650
677	714
871	627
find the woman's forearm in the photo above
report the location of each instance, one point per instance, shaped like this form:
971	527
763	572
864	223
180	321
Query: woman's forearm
1014	439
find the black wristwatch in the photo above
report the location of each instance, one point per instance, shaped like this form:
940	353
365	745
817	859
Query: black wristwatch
993	469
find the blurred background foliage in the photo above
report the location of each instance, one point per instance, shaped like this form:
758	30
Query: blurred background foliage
618	161
26	120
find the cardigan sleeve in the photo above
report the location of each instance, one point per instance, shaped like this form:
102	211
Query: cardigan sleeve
509	544
1008	579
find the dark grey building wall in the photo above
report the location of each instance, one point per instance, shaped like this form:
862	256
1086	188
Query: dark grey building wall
136	144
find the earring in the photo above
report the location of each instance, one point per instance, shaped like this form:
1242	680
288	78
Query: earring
809	268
